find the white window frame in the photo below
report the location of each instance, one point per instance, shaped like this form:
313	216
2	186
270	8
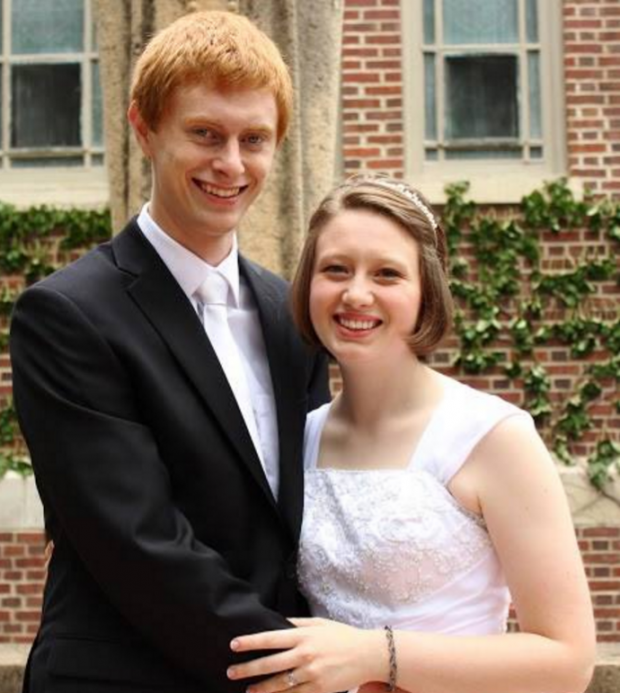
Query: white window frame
67	186
492	180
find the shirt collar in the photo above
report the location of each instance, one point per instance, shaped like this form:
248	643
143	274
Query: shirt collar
187	268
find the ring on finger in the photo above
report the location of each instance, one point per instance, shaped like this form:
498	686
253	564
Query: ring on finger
291	679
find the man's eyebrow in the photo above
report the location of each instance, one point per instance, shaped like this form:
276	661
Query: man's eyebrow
205	121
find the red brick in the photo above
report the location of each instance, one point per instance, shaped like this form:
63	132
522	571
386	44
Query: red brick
382	39
601	532
31	538
28	588
381	14
30	562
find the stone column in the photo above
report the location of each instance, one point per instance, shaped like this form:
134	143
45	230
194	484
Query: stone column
309	34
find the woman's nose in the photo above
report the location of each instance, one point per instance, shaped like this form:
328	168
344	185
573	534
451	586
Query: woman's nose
358	292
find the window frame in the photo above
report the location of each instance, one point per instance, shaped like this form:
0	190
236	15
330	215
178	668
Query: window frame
82	185
492	180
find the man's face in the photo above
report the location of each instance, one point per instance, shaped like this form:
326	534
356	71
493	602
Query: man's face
210	156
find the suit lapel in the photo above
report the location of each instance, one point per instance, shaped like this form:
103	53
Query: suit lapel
164	304
276	326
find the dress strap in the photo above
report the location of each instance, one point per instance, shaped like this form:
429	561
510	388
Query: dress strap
467	418
315	421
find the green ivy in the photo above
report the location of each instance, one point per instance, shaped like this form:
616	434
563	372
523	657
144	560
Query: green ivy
26	236
30	243
503	305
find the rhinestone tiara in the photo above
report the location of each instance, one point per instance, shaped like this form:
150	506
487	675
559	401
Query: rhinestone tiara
409	194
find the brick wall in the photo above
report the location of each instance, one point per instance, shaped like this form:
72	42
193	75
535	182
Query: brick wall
372	87
592	72
22	576
600	549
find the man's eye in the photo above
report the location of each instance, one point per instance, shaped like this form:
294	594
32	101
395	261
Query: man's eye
205	134
255	140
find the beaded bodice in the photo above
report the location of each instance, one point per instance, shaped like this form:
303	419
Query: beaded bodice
393	545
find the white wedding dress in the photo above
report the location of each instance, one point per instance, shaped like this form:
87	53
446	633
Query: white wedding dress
393	546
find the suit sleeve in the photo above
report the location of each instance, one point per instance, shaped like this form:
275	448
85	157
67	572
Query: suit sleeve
100	472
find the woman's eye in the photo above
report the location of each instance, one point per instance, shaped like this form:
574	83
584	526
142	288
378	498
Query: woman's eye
334	269
388	273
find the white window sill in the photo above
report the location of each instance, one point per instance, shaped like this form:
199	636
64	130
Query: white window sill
57	187
495	186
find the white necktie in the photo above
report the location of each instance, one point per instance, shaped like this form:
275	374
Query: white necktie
212	297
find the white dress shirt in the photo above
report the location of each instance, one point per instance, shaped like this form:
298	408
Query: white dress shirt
190	271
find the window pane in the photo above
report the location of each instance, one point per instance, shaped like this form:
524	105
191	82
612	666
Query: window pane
481	97
480	21
430	114
533	76
429	21
531	12
97	107
1	20
51	162
477	154
45	108
47	26
536	152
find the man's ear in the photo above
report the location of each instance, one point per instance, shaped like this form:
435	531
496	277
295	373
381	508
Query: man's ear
140	128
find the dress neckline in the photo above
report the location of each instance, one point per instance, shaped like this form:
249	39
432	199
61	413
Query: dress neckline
448	386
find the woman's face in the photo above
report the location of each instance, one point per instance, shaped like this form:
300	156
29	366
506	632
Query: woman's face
365	291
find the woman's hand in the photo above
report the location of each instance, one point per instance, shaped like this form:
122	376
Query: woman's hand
318	656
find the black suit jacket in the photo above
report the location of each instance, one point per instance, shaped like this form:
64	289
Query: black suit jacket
168	540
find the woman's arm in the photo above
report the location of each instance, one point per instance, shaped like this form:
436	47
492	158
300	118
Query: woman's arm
523	503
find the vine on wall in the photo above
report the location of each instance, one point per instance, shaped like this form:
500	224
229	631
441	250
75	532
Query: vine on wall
34	243
510	307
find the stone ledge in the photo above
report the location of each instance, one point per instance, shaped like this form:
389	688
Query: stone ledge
12	662
606	676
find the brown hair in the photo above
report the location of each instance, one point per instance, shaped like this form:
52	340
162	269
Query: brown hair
400	203
221	49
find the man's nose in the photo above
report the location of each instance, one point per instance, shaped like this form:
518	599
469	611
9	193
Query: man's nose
229	159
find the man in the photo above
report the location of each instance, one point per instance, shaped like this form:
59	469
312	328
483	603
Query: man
165	423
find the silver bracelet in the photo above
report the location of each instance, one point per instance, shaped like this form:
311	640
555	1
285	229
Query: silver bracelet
393	673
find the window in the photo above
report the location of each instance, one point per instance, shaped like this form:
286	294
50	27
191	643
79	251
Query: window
488	73
50	100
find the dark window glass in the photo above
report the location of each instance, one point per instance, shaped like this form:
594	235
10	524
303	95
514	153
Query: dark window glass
46	106
481	97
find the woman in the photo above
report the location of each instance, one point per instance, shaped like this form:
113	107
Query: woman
426	501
